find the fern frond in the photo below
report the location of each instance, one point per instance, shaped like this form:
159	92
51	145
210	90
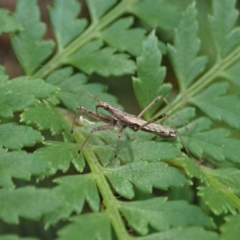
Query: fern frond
183	188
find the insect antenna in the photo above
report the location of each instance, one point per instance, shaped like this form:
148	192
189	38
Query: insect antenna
95	98
74	118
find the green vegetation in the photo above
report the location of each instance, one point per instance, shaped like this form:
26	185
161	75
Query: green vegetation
185	188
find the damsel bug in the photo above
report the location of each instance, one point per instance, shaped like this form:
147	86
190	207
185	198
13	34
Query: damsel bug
123	120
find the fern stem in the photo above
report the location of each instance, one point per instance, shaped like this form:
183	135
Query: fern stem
93	31
216	70
107	195
109	199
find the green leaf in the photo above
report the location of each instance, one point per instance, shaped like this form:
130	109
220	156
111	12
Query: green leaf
217	200
136	151
8	23
29	136
3	75
82	228
75	91
23	85
29	197
232	73
73	191
181	117
20	93
231	149
214	143
230	229
156	13
58	155
190	167
162	214
144	176
183	53
225	35
103	61
68	27
15	237
219	107
149	83
45	117
31	51
12	102
230	177
98	8
20	165
125	190
185	193
226	186
195	233
121	37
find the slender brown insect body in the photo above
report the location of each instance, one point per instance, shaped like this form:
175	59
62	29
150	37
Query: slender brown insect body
123	120
136	123
160	130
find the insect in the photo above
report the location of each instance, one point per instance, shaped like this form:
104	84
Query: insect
123	120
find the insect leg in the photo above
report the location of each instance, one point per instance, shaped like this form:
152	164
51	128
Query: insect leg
156	118
110	123
91	114
119	136
100	128
152	121
94	115
150	104
74	118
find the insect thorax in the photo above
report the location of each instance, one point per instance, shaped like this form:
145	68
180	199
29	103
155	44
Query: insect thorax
116	113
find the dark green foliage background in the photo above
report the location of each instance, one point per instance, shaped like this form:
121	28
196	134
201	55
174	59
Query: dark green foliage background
185	188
